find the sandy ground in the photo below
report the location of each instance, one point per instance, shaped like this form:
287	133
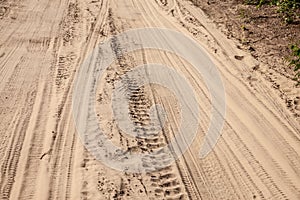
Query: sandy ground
42	45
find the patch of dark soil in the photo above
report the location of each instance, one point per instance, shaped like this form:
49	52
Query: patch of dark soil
260	30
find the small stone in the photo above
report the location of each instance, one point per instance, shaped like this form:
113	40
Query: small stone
239	57
256	67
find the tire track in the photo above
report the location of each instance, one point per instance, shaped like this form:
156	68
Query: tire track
64	140
164	183
8	170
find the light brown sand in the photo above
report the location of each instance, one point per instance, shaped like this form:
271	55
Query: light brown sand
42	44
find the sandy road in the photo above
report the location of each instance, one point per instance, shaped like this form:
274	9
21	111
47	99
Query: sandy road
42	45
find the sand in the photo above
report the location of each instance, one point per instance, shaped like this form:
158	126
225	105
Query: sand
42	47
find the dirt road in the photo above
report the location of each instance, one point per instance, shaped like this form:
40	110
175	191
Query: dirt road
42	46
